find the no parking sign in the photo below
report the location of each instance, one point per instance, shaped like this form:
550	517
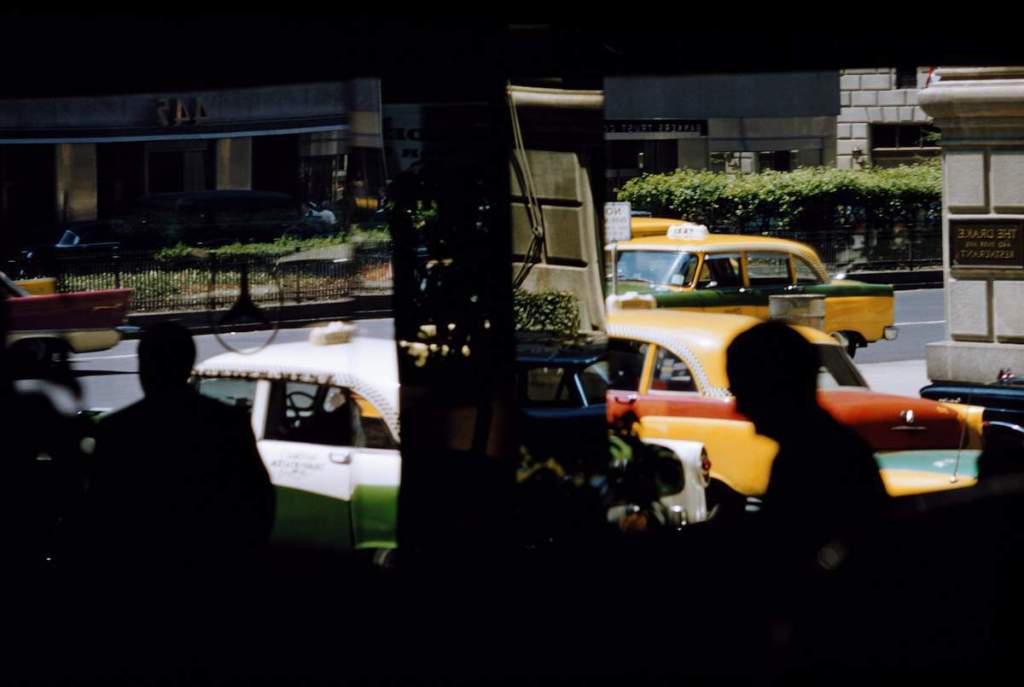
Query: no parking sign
617	217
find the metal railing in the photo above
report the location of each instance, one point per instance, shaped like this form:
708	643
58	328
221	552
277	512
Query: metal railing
865	250
212	281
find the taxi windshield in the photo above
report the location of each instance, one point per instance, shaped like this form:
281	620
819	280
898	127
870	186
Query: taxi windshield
657	267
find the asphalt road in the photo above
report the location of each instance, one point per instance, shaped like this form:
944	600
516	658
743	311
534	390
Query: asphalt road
108	378
921	319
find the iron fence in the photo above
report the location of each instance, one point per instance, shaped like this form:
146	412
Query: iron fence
865	250
206	282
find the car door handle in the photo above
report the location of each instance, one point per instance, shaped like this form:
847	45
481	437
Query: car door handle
340	458
628	399
794	288
743	289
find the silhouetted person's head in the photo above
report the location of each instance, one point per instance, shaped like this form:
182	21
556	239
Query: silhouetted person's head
773	373
166	356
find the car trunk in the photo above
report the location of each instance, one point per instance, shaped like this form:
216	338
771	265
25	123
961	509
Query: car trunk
885	423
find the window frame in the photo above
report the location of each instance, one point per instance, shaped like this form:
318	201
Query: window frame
793	257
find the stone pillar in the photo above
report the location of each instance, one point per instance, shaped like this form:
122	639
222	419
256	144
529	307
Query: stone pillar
76	182
980	112
234	164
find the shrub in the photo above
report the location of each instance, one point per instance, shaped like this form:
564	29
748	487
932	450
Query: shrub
556	312
806	199
282	245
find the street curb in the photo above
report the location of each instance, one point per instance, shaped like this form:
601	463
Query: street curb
291	316
910	279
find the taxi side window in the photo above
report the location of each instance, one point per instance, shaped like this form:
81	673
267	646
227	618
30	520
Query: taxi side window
234	392
626	363
375	431
768	269
720	271
313	414
804	273
671	373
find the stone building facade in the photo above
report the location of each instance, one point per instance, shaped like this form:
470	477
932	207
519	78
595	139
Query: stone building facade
880	122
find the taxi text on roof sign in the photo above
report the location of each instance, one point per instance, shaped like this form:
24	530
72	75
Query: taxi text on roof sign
688	231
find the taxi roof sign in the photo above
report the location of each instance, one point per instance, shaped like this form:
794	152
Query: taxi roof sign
689	231
332	333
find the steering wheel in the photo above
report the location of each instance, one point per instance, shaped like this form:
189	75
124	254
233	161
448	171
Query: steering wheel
291	402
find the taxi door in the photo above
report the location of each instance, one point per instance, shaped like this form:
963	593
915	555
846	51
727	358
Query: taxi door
671	405
767	274
307	446
376	474
720	284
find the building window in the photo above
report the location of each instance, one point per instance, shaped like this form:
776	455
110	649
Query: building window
894	144
906	77
726	161
902	135
777	160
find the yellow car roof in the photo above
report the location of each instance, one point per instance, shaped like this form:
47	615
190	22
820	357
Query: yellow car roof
706	335
651	226
649	233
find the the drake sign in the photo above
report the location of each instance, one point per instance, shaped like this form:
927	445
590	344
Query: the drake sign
986	243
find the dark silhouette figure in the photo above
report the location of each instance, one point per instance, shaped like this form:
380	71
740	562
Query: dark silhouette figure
177	476
43	468
824	500
824	476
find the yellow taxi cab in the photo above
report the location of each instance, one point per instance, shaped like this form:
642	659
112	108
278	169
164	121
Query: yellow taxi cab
668	368
684	266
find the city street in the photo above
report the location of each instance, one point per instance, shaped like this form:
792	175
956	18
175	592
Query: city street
108	379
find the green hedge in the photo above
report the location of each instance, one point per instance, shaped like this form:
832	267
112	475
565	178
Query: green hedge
283	245
555	312
806	199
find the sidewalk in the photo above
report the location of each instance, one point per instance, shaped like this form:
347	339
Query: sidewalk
902	377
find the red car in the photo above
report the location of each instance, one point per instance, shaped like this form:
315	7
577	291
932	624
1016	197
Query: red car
668	369
54	324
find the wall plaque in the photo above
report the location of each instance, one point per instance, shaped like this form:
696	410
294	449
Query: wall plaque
986	243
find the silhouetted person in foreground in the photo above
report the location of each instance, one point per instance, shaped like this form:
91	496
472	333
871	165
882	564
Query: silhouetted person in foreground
177	477
43	468
825	474
823	494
